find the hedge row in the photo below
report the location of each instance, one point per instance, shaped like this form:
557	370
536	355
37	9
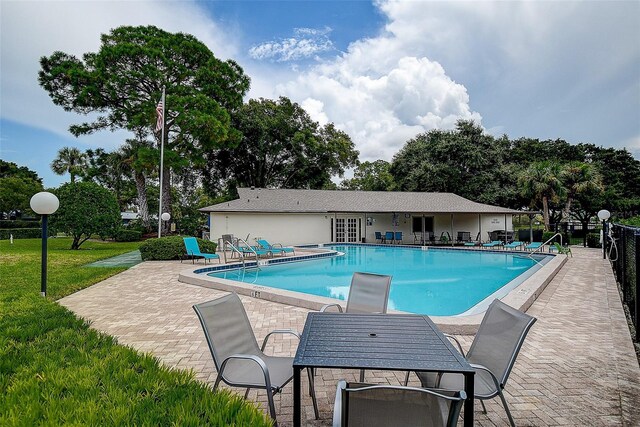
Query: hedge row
126	235
18	223
172	247
23	233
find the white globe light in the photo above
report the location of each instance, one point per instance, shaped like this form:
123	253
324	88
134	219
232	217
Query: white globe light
44	203
165	216
604	214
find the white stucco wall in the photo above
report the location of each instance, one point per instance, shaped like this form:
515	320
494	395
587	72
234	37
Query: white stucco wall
298	229
288	229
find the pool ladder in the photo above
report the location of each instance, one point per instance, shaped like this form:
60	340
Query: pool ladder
234	249
542	245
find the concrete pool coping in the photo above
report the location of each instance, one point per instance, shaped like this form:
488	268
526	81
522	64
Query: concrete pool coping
521	297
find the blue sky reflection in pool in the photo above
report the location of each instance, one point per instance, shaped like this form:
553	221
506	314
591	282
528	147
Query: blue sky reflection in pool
434	282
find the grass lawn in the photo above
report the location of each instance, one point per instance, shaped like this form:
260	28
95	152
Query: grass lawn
55	370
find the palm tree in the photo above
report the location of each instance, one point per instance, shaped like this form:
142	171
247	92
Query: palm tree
139	158
578	178
70	160
541	182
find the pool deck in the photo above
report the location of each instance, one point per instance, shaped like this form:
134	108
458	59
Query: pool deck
576	368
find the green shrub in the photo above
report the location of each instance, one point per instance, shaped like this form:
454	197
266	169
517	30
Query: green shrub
85	209
634	221
127	235
167	248
593	240
24	233
18	223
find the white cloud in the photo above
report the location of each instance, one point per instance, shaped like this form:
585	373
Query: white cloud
306	43
538	69
30	30
381	95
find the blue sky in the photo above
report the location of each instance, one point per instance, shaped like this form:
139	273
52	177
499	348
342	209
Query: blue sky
382	71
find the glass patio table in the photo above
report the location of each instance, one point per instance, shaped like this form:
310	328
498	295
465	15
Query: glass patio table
399	342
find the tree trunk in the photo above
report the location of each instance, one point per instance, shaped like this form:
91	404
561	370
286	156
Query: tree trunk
143	207
166	196
545	212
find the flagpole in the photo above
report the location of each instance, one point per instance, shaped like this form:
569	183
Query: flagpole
164	108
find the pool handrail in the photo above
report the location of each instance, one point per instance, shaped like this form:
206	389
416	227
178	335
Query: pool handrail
545	243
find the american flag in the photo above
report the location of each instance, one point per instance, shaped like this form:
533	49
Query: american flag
159	112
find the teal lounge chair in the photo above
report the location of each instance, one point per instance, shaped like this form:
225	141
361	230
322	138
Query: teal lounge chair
398	237
473	243
533	246
193	250
514	245
566	250
275	248
492	244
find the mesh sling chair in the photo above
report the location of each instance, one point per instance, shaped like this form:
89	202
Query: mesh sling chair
368	293
384	405
492	354
239	360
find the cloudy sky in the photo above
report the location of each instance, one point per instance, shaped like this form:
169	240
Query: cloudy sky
382	71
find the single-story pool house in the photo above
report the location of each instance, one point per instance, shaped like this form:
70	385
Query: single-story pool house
298	217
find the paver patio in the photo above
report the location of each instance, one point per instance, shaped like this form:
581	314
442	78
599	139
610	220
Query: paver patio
577	366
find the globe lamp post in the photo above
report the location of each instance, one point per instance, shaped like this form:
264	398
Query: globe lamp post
166	216
44	204
604	216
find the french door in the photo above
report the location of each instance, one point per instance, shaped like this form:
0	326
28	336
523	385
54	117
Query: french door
347	230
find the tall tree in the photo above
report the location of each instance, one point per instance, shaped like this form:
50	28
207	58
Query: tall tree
123	81
70	160
12	170
579	178
465	161
542	184
282	147
17	185
109	170
15	195
370	176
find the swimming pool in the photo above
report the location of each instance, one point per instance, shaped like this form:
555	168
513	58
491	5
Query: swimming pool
440	282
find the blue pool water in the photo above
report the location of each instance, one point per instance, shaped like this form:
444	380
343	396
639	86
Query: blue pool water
434	282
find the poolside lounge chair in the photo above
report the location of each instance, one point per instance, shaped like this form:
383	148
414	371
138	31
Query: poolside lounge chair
566	250
492	354
379	237
236	355
276	247
193	250
397	237
368	293
463	237
513	245
370	405
474	243
445	237
388	237
533	246
492	244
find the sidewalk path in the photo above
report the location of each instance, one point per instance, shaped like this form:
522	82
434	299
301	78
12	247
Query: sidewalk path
576	368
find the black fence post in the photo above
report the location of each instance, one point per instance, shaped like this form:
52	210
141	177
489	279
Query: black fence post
636	308
623	256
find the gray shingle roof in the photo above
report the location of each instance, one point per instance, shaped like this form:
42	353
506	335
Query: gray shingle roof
283	200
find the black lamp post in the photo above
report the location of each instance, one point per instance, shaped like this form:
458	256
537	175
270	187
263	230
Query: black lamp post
604	216
45	204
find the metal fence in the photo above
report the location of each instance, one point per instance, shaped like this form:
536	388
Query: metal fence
624	253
